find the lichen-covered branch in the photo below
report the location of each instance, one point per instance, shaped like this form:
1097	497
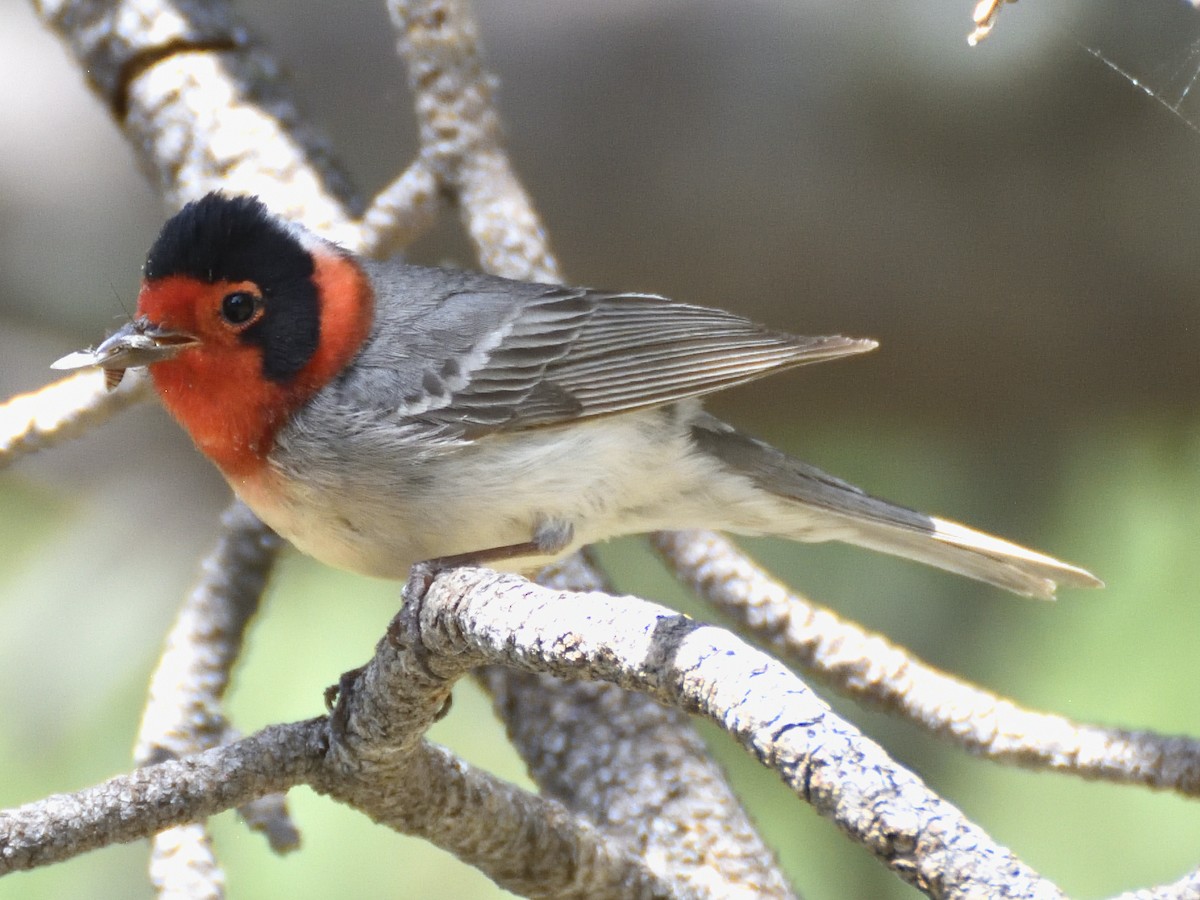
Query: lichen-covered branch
184	714
637	744
202	105
378	763
523	842
869	668
529	845
1186	888
63	410
151	799
473	617
639	771
636	768
461	138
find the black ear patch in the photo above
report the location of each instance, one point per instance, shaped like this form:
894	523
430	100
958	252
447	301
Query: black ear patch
219	238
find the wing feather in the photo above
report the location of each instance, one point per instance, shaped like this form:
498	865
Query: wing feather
484	354
575	354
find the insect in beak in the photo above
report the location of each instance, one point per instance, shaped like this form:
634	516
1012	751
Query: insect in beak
139	343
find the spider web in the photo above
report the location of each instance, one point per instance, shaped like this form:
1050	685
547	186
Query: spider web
1171	79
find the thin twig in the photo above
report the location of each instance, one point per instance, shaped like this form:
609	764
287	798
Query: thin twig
270	817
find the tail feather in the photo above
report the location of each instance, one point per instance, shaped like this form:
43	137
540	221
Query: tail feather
957	548
857	517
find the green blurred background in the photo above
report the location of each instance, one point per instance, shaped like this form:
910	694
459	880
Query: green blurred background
1014	223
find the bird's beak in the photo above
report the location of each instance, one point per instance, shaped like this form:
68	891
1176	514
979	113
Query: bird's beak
139	343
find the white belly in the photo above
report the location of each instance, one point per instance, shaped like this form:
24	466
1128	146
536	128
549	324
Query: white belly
622	474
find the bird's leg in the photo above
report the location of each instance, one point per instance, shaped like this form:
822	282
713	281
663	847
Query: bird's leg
550	536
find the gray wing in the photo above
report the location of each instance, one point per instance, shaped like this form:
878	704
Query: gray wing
482	354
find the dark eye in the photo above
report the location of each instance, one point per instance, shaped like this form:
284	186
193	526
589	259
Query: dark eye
239	307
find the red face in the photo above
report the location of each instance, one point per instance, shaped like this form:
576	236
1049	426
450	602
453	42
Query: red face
259	354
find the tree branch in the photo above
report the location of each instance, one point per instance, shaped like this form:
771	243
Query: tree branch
161	796
869	668
402	211
184	714
63	410
462	147
472	617
461	139
621	760
1186	888
526	844
202	105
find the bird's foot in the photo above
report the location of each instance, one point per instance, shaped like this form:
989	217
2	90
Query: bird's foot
337	702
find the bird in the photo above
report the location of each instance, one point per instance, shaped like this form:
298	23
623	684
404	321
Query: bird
380	414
